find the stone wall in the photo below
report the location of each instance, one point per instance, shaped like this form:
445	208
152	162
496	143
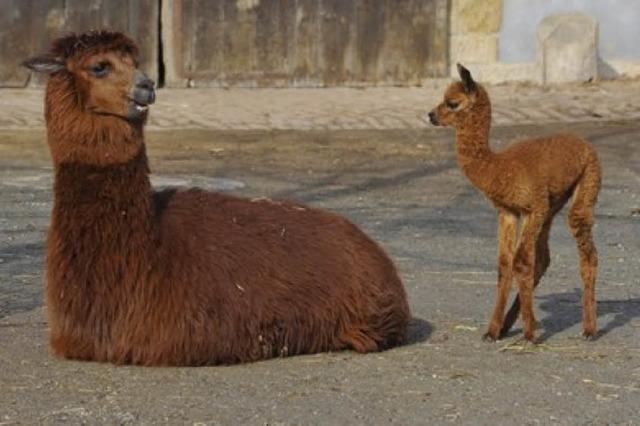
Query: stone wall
497	39
474	31
475	28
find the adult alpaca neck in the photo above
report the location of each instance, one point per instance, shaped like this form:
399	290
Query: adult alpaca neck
473	153
101	170
102	228
107	205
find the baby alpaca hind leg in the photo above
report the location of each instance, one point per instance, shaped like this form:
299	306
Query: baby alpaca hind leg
507	234
580	223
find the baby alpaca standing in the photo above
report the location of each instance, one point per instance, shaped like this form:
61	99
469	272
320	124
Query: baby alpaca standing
528	182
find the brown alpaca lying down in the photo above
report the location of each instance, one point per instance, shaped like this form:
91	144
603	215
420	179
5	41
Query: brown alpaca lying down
187	277
528	182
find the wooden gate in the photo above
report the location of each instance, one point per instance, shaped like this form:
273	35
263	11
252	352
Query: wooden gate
305	42
246	42
28	26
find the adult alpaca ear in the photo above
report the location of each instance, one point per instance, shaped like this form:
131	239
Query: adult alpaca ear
467	80
44	64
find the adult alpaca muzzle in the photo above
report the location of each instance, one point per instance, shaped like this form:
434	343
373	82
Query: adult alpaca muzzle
143	94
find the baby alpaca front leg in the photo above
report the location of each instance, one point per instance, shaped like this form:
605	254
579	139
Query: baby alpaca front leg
507	233
523	267
523	270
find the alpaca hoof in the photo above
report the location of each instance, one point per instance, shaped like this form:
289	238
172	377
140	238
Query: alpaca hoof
504	330
530	337
489	337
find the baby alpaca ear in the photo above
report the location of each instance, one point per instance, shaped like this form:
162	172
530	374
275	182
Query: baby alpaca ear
44	64
467	80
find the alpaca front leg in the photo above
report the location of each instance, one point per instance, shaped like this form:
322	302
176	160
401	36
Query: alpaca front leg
523	265
523	268
543	259
507	233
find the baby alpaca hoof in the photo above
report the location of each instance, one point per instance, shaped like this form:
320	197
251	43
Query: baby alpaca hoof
489	337
530	337
503	333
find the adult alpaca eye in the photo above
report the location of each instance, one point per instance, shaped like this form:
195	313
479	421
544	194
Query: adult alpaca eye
100	69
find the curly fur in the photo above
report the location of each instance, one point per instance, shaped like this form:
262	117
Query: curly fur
528	182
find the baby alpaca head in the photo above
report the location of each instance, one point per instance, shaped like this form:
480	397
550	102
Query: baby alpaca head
101	68
461	100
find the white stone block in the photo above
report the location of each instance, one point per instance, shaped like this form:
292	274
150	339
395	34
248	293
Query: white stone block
568	48
497	73
474	48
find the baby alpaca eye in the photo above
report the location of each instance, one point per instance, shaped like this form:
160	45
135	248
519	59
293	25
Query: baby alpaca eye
452	105
100	69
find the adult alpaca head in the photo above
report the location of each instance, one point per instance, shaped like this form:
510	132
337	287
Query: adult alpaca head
97	98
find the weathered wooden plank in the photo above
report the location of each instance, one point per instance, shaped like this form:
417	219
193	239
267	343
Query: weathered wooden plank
306	52
274	22
27	27
414	48
248	42
338	21
307	42
24	28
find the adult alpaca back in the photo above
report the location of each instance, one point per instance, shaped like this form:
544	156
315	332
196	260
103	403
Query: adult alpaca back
187	277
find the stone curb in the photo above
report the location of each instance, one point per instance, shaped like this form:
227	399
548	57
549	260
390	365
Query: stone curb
347	108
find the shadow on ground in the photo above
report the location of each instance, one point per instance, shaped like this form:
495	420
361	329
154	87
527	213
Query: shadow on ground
565	311
419	331
318	191
20	277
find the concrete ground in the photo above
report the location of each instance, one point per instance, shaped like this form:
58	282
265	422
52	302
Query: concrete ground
401	184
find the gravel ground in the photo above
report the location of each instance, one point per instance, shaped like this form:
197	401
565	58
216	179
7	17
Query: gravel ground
404	188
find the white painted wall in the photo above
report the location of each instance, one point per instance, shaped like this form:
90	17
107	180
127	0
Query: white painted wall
619	22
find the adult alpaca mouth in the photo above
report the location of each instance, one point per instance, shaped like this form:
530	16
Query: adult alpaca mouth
139	106
142	94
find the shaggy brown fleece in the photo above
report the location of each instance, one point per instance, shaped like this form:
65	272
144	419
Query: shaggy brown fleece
188	277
